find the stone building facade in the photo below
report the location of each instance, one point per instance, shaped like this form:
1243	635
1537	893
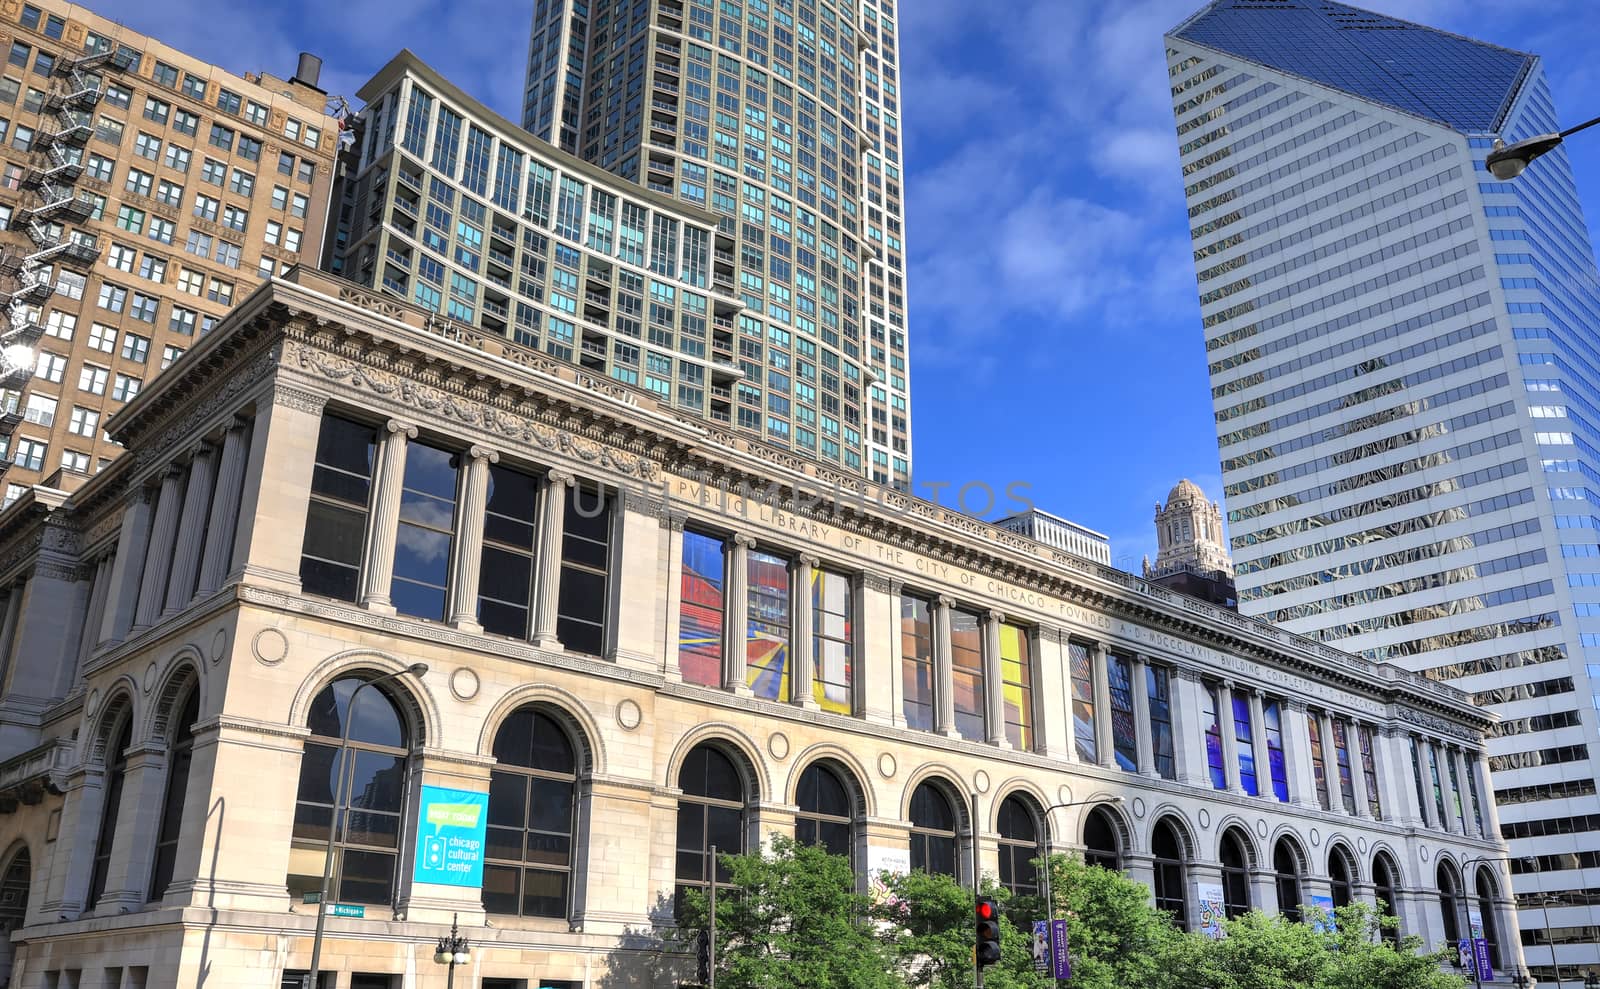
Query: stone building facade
643	636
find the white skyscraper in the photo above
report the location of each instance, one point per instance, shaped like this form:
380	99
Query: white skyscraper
1405	365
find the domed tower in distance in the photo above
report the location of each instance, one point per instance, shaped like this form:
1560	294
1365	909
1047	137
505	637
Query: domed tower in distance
1193	553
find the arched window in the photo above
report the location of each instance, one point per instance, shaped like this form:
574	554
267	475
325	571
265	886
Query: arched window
1019	845
1171	885
179	757
532	806
826	815
1387	883
365	822
933	831
1286	863
1449	902
1341	877
1100	842
1235	874
1486	897
711	812
116	775
14	885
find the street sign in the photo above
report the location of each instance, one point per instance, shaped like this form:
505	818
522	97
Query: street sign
311	898
1059	949
346	910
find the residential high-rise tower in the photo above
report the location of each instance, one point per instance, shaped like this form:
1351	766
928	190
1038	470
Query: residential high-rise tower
1405	363
783	120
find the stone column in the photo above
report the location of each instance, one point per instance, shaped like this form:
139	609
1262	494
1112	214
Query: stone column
99	594
547	567
468	544
672	571
802	637
72	854
1428	812
1491	813
1258	742
1230	744
273	501
383	522
1391	749
639	608
736	614
1143	733
944	697
993	681
1297	753
1358	772
8	628
1469	823
1188	729
878	635
1456	799
218	555
1439	757
191	531
158	560
1054	688
1102	707
132	545
1264	886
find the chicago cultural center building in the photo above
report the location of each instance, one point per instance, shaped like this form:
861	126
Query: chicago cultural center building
643	635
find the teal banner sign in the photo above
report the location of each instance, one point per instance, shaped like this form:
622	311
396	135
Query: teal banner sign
450	837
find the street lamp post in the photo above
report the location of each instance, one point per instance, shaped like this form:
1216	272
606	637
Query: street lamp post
1049	904
1506	161
340	799
1544	900
452	951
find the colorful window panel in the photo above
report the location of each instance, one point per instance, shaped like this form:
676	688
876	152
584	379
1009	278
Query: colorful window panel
1082	659
767	639
1341	752
1219	774
1319	765
966	674
1016	674
1159	681
1455	790
1416	774
1124	727
832	614
701	613
916	662
1369	772
1438	788
1244	740
1472	787
1277	765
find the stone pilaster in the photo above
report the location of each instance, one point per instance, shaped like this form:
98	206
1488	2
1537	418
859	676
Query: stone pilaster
128	568
547	568
672	572
1144	735
736	616
217	558
1258	742
383	522
1358	773
1330	763
138	820
1055	692
158	560
1104	747
99	595
191	531
1230	741
878	635
273	501
468	544
993	681
944	697
1188	728
1297	753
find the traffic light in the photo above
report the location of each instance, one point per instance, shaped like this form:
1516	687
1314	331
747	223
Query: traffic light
988	931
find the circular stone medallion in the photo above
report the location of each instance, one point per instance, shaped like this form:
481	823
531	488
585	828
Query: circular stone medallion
629	716
886	766
778	745
219	645
270	647
1205	818
463	683
1316	837
1138	808
980	779
1261	827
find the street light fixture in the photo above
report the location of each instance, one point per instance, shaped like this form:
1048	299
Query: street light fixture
452	950
1507	161
1049	904
340	798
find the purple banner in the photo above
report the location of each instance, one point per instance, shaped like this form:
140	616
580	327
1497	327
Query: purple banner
1058	949
1480	952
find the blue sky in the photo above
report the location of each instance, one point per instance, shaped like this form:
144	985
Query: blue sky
1055	335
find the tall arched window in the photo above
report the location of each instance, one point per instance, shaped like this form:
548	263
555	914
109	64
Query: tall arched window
1171	885
14	885
710	812
1286	863
933	831
1235	874
116	775
179	757
1020	844
826	814
1449	901
1341	877
1491	930
532	806
1100	841
1386	881
365	823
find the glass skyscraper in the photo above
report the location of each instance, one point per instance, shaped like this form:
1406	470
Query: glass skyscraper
1405	365
782	118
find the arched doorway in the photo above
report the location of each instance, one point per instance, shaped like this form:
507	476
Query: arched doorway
14	883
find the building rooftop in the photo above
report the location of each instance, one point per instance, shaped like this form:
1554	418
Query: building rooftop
1459	82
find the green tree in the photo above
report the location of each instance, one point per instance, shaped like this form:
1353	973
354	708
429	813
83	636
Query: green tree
792	919
1359	957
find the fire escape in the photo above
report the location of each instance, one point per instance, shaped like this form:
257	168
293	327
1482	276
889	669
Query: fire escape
51	200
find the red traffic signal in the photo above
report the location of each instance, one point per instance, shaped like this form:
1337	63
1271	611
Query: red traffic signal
987	932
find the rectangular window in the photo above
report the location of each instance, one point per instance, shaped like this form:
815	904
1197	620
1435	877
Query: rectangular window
1219	772
1369	773
103	338
242	182
147	146
83	422
1455	789
235	218
1438	786
221	137
336	520
833	627
1124	726
1341	752
1244	741
966	674
916	662
184	122
506	570
1277	765
422	545
1319	764
93	379
704	602
177	158
1158	680
1081	659
1016	682
767	640
51	367
585	572
125	388
1472	788
135	347
30	454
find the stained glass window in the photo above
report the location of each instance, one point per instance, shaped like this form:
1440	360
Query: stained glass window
1159	681
1272	716
1341	751
767	639
1082	660
1245	743
966	674
1369	772
1016	674
1219	774
1124	727
832	614
1319	765
701	612
916	662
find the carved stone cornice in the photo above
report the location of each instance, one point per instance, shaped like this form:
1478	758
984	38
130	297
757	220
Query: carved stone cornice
878	583
298	399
